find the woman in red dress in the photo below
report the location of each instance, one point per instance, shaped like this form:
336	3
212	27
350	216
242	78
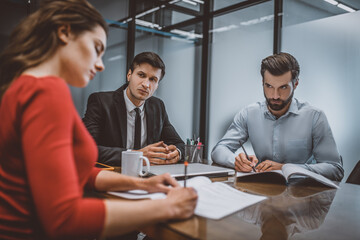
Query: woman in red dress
47	156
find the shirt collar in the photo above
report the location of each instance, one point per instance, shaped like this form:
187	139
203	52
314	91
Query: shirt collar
294	108
129	105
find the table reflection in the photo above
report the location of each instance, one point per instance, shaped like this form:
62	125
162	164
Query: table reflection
292	211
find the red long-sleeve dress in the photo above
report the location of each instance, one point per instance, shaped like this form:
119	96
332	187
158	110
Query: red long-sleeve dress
46	160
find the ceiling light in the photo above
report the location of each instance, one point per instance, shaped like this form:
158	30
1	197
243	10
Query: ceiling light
346	8
190	2
224	29
341	5
147	12
188	35
117	57
257	20
174	1
331	2
147	24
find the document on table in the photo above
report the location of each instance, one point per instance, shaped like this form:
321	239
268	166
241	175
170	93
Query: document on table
291	170
138	194
215	199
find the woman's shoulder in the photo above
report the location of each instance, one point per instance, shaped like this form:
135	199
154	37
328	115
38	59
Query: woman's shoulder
29	85
27	88
40	82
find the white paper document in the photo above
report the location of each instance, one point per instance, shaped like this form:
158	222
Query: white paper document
215	199
138	194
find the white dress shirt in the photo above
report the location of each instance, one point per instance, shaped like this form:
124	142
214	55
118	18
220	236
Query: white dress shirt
130	112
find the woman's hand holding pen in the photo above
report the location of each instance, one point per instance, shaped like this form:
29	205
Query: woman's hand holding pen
242	164
182	202
161	183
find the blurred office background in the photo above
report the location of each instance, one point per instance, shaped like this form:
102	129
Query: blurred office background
213	48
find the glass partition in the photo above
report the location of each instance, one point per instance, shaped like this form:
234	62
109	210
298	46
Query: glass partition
299	11
178	89
218	4
114	58
190	4
241	40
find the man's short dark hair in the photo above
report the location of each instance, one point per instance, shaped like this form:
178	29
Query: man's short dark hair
151	58
279	64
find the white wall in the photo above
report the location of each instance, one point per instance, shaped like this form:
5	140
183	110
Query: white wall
328	51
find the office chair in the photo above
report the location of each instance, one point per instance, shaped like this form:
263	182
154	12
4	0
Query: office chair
354	176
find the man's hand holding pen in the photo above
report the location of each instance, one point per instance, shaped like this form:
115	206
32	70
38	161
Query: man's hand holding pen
243	164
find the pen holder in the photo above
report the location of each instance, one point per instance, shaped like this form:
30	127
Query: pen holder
194	153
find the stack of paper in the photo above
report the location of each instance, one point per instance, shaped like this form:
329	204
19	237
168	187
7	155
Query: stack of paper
215	199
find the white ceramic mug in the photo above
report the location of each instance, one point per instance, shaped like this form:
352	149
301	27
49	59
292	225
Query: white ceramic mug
132	164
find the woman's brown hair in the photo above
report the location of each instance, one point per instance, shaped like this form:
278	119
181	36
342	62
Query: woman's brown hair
35	39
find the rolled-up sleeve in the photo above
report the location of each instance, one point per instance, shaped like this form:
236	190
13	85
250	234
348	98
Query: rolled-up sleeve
325	152
224	151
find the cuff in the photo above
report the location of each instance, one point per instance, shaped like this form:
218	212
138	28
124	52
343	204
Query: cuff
179	153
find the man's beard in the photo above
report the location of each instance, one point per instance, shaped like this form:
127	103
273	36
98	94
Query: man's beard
278	106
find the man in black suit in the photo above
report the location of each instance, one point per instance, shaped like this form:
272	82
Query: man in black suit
115	118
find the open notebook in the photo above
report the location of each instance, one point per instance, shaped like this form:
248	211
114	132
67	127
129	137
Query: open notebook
194	169
288	171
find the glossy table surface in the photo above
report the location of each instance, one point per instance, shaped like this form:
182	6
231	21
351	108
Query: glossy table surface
303	209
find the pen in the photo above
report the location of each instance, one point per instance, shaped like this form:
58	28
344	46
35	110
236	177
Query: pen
104	166
186	164
196	152
247	156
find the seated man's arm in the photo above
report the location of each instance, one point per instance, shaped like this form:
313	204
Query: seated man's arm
110	155
224	151
329	163
94	120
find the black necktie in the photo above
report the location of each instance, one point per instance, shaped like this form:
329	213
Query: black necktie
137	139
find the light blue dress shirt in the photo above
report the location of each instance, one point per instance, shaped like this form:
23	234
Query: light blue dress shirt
301	136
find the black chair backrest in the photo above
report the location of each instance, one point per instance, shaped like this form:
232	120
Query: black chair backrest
354	176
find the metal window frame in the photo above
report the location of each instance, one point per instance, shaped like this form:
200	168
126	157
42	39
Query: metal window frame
206	18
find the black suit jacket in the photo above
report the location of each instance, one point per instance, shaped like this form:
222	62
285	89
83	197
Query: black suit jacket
106	120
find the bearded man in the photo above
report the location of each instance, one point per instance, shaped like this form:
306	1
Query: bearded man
281	128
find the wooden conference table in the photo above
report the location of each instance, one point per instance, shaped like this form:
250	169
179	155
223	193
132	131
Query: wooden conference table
302	210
